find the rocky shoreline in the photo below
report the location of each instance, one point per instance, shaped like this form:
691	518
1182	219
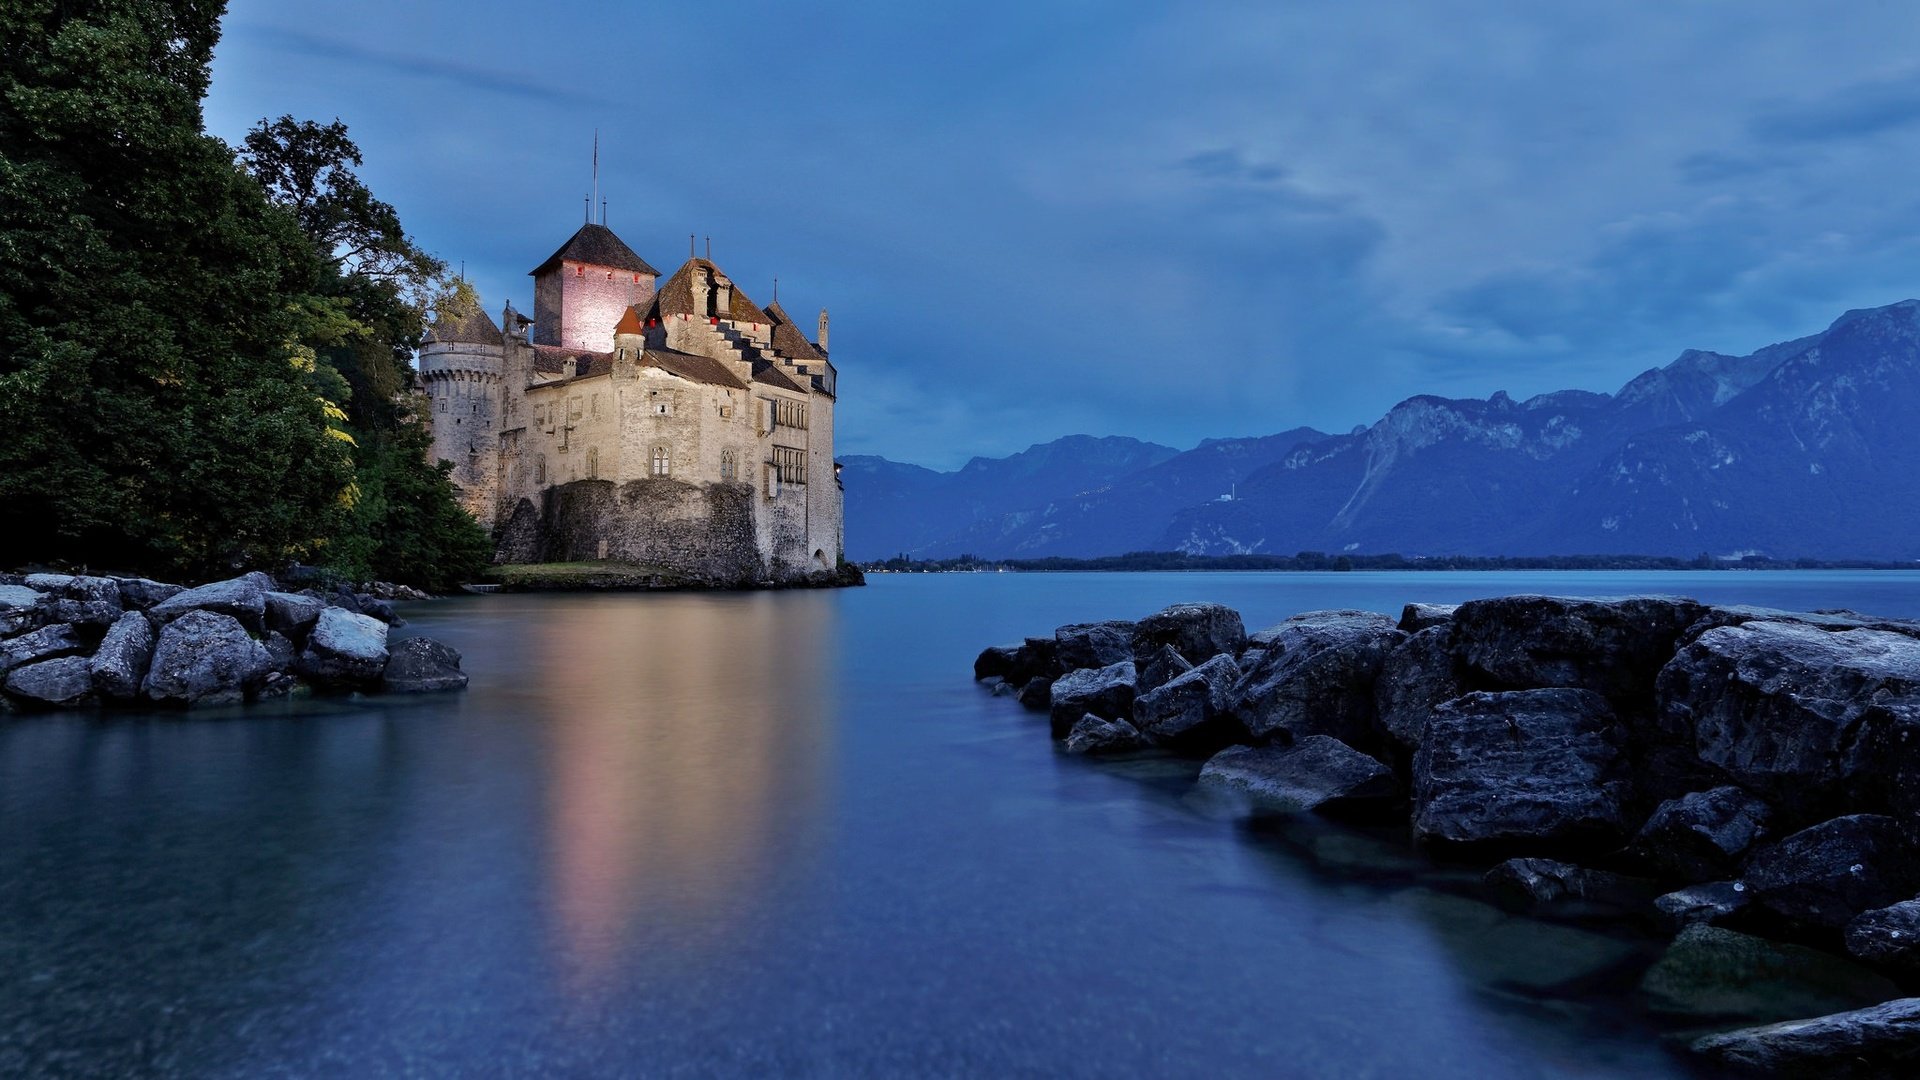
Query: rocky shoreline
1746	779
79	641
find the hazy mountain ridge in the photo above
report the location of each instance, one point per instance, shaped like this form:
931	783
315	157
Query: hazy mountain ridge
1804	448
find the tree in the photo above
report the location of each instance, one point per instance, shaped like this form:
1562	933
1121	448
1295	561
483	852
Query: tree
405	522
154	310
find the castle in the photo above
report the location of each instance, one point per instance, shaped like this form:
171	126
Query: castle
672	423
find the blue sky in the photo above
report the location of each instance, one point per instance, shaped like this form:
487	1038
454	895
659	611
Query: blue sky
1168	220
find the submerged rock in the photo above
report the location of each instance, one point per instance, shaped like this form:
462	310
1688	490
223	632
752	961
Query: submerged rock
1531	768
1874	1043
1191	711
1712	973
1315	676
1101	735
1198	632
422	665
204	657
1826	875
1524	884
1710	903
1889	936
1316	773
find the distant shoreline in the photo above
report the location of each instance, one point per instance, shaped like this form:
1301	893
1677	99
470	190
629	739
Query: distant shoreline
1319	562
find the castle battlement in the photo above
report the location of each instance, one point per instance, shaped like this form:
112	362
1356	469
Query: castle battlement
672	423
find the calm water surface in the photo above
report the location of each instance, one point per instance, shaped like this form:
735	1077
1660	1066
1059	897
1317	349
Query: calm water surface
765	834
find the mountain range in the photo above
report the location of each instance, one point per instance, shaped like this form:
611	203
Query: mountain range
1806	448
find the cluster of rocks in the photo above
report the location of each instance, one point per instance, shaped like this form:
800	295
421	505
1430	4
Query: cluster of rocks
69	641
1746	778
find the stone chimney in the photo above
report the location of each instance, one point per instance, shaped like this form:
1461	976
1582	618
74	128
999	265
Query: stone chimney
823	330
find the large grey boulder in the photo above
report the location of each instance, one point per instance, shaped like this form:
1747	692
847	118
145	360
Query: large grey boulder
1103	691
1712	973
46	643
1889	936
1158	668
1702	835
120	663
139	594
1825	875
422	665
21	609
292	614
63	682
76	586
1613	647
1316	773
1191	711
243	598
1416	676
1527	768
1037	694
204	657
994	661
1100	735
1566	889
1198	632
1782	708
1093	645
1315	675
1875	1043
344	649
1417	617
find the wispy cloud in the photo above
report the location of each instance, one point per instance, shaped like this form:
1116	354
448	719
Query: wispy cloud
415	65
1858	111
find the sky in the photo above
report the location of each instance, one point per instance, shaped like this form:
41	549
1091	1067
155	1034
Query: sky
1172	220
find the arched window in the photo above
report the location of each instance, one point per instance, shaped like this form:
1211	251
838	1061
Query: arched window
729	465
593	463
661	462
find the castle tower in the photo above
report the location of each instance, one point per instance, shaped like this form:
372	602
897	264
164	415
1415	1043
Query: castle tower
582	290
460	369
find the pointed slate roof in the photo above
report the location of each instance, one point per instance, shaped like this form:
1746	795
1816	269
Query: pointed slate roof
701	369
788	340
768	372
596	245
472	326
675	297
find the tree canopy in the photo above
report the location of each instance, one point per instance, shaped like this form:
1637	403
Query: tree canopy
202	367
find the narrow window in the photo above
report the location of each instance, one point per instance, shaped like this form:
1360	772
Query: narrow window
593	463
661	462
729	465
540	469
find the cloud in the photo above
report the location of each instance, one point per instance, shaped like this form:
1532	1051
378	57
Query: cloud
418	65
1861	110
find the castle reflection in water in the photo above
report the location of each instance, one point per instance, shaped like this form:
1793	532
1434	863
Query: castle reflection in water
690	742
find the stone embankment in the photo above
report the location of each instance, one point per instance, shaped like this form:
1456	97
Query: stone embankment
71	641
1746	779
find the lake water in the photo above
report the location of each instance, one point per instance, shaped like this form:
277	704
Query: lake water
766	834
